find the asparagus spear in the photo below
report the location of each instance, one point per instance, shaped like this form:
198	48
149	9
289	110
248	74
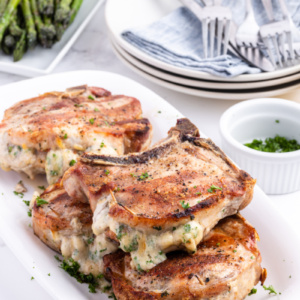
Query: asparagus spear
9	43
74	9
43	31
5	19
29	21
60	28
20	48
14	27
51	29
63	11
3	4
46	7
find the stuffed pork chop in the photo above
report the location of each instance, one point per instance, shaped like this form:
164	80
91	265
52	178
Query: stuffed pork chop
65	225
226	265
148	200
48	132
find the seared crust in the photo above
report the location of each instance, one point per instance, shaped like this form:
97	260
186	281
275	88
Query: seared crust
151	189
57	217
77	119
225	266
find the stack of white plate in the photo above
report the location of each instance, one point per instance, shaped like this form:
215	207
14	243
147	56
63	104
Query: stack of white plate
122	15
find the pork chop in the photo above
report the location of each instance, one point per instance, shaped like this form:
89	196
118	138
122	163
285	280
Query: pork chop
226	265
65	225
49	131
148	199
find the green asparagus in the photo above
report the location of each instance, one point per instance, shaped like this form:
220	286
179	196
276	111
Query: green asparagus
46	7
29	21
74	9
63	11
14	28
42	30
7	15
9	43
3	4
20	48
51	32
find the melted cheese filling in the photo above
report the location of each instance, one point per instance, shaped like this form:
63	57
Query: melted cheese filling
147	247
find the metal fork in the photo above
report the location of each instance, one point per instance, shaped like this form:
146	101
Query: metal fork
213	17
278	32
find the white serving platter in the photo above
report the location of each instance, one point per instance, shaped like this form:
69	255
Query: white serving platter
234	94
123	15
40	61
279	243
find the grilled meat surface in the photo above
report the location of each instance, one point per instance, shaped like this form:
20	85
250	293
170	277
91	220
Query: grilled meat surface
226	265
49	131
148	199
65	225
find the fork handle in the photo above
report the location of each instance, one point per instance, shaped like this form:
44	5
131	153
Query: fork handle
269	9
284	9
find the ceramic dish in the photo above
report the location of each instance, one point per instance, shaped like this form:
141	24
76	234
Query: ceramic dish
279	243
42	61
209	93
121	16
198	83
276	173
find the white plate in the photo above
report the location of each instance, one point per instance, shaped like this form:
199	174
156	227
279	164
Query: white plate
198	83
279	243
207	93
123	15
40	61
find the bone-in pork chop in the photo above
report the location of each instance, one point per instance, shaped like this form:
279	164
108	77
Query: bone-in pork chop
49	131
226	265
163	199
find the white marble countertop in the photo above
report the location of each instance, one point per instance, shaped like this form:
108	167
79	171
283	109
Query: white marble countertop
93	51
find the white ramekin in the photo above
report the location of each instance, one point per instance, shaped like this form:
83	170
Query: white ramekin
276	173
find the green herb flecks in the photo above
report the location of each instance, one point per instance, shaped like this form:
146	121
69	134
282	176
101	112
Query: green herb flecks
92	121
40	201
214	188
72	162
27	202
133	246
72	268
184	205
157	228
21	195
270	289
41	187
91	97
252	292
278	144
120	232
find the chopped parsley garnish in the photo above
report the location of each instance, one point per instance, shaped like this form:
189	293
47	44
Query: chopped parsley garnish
133	175
157	227
198	193
102	145
106	172
53	173
92	121
90	240
31	278
234	250
91	97
187	228
96	109
139	268
102	250
10	149
44	108
252	292
184	205
49	274
27	202
40	201
106	123
41	187
133	246
57	258
72	162
21	195
218	244
159	111
270	289
276	121
278	144
29	214
65	136
213	188
72	268
144	176
120	232
78	105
